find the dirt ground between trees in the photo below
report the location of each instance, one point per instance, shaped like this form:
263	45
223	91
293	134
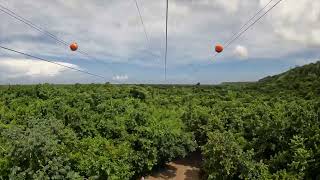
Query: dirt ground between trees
183	169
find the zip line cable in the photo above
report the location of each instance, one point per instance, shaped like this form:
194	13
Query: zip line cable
38	28
46	32
41	30
166	50
54	37
141	19
252	24
52	62
30	24
238	35
145	30
245	24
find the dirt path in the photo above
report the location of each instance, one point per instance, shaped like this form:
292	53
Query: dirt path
184	169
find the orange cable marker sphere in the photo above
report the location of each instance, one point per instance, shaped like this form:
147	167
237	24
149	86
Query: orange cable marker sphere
73	46
219	48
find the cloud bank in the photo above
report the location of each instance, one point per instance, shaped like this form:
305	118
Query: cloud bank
297	21
33	68
111	32
121	77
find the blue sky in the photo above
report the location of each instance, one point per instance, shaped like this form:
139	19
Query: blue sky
111	32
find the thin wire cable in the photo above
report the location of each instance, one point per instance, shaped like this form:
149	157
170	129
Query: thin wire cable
141	19
30	24
148	42
46	32
34	26
166	50
52	62
40	29
245	24
252	24
145	30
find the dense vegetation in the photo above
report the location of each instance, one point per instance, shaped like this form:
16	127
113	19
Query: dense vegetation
264	130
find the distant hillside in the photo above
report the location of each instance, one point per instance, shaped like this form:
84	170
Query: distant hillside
236	83
308	72
304	79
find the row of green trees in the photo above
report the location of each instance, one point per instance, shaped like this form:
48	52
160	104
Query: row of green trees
263	139
264	130
86	131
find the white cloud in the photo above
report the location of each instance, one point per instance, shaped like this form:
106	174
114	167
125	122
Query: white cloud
120	77
106	28
241	51
229	5
297	21
113	27
16	68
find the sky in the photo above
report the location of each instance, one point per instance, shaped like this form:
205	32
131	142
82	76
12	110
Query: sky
111	32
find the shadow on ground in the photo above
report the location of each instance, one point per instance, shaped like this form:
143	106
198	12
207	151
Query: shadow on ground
183	169
168	172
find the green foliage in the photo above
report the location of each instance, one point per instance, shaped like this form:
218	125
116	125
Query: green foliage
99	158
38	150
264	130
226	158
86	131
138	93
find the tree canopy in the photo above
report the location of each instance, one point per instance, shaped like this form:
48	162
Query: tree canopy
264	130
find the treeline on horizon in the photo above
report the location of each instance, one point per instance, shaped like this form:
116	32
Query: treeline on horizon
264	130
